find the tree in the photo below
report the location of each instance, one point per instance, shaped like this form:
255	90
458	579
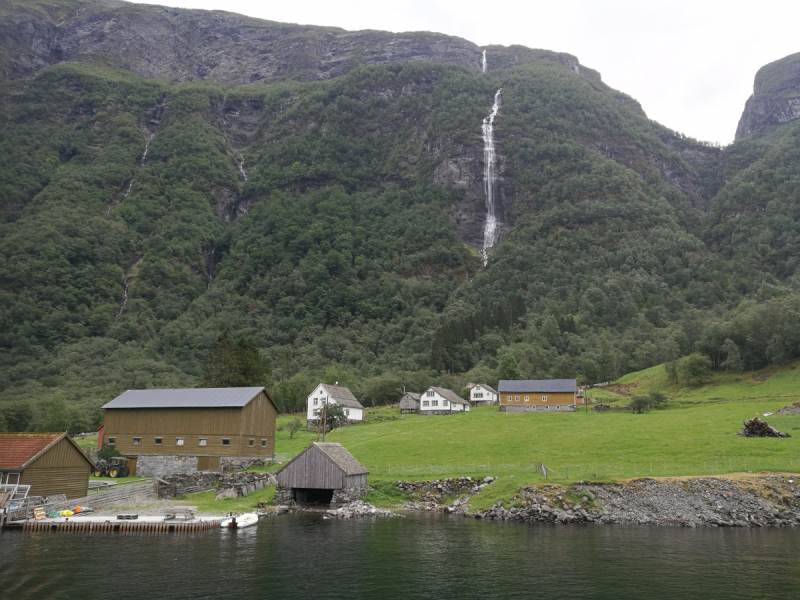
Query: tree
733	357
236	364
294	426
670	353
52	414
508	368
695	369
335	417
657	399
639	404
107	452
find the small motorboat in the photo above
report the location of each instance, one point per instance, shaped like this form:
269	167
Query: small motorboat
245	520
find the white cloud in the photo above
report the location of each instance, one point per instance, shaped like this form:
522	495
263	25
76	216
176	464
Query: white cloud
690	63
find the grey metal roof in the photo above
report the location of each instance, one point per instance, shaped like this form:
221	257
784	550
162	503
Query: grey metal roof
552	386
186	398
450	395
338	454
342	395
412	395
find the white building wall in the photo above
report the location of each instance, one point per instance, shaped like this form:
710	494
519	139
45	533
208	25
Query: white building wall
440	403
321	396
485	395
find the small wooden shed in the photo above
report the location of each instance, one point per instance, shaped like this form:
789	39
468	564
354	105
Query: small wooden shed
51	463
324	473
409	403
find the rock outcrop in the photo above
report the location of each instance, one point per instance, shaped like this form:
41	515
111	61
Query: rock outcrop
775	99
184	45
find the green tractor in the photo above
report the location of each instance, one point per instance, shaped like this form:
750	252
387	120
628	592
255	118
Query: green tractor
113	467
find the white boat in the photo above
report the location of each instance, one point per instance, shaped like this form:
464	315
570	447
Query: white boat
245	520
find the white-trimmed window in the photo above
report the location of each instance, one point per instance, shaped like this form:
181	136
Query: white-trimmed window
11	478
526	399
425	403
112	441
508	398
444	402
315	401
430	393
516	398
346	412
479	394
544	398
434	403
251	442
157	441
179	441
547	408
263	443
137	441
226	441
202	442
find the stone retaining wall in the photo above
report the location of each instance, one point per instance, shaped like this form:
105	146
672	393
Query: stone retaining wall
237	463
238	485
179	484
158	465
454	486
340	497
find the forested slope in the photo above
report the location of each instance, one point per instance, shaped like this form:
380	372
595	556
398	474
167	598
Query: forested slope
337	224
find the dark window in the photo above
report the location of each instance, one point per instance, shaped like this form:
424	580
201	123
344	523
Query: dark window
263	443
111	441
251	442
226	441
137	441
157	441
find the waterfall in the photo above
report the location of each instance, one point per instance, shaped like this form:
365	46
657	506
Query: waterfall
125	291
241	167
489	177
141	164
483	62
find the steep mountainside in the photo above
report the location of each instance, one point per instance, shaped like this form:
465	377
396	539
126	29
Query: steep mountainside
154	194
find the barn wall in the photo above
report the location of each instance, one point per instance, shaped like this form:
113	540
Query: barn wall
72	481
312	469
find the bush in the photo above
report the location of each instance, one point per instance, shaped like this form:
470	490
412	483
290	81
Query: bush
639	404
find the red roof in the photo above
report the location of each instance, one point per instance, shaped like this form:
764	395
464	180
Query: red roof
17	449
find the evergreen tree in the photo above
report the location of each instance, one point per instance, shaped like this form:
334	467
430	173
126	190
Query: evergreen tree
236	364
508	368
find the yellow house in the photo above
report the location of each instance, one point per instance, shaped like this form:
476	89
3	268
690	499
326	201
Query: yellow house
538	395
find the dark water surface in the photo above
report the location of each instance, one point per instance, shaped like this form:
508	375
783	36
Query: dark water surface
424	556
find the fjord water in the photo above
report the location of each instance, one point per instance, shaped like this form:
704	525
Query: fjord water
423	556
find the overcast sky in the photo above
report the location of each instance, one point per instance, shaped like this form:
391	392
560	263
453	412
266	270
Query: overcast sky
690	63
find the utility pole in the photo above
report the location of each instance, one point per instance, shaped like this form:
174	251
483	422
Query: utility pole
325	424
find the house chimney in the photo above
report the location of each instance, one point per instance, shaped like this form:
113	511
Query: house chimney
404	390
336	384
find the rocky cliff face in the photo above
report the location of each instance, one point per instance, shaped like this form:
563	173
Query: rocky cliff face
775	99
183	45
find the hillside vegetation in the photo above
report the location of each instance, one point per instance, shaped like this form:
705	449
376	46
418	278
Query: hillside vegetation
336	224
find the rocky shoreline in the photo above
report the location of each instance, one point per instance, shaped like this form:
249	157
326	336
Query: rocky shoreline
736	501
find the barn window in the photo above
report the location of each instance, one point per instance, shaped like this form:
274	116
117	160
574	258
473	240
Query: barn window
157	441
179	441
251	442
516	398
137	441
263	443
111	441
547	408
508	398
526	398
425	403
544	398
202	442
226	441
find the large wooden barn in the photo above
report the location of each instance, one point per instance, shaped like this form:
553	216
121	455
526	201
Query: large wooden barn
51	463
325	474
538	395
188	430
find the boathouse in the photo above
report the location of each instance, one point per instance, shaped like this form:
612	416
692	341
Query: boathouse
538	395
189	430
324	474
51	463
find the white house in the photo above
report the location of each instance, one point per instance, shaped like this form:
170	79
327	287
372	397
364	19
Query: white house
482	395
439	401
333	394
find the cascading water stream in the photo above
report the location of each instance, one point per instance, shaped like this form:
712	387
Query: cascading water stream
489	177
125	291
130	185
483	62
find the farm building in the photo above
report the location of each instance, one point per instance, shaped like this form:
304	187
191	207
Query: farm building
409	403
482	395
323	473
540	395
332	394
440	401
189	430
51	463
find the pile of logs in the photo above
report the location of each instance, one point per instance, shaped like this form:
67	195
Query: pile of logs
758	428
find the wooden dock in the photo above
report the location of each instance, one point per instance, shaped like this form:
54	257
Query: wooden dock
119	526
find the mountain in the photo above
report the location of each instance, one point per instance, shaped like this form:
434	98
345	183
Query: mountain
155	194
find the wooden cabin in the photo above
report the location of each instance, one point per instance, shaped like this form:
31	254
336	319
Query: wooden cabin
441	401
409	403
324	474
189	430
538	395
51	463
